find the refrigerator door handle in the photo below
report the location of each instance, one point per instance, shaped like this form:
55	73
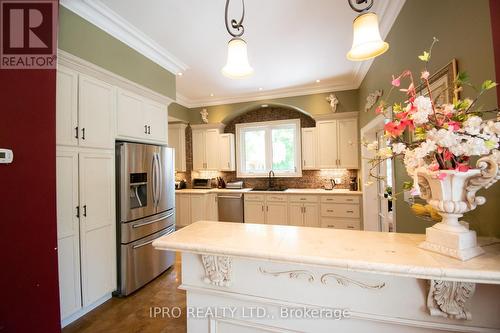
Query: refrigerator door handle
153	172
160	178
138	225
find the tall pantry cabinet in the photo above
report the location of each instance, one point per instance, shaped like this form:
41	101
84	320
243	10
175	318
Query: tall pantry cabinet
85	190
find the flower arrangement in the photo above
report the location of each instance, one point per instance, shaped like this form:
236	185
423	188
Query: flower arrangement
445	137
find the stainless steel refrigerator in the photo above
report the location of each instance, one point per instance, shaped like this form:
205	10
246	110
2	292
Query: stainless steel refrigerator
145	211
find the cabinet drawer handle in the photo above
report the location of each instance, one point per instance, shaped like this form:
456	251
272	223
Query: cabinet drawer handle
78	211
330	210
349	211
76	132
303	199
349	199
329	199
85	210
350	227
145	129
149	129
331	226
83	133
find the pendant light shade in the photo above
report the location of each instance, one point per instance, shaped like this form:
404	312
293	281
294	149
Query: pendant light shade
237	65
367	42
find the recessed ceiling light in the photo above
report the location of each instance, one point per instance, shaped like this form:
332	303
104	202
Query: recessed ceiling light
260	89
212	95
318	81
180	74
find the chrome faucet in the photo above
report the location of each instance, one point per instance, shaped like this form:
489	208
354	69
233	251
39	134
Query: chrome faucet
270	179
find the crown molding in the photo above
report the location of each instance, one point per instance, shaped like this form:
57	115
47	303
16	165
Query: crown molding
85	67
109	21
273	94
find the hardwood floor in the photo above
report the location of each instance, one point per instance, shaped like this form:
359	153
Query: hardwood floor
132	314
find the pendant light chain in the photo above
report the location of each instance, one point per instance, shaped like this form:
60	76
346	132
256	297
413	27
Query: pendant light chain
238	26
369	4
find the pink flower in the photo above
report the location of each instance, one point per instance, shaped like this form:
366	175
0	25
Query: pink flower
441	176
425	75
396	82
379	110
462	168
434	167
455	125
394	129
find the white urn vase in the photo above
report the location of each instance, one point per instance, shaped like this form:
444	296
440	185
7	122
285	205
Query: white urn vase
452	196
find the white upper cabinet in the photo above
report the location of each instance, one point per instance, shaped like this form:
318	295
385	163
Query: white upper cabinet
227	155
140	119
129	115
348	147
67	107
337	144
206	146
156	118
95	113
177	140
309	148
327	144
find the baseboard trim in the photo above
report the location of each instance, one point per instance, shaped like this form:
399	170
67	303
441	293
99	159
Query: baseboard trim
83	311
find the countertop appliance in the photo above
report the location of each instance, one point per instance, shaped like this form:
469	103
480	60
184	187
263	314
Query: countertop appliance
181	184
230	206
235	185
145	202
202	183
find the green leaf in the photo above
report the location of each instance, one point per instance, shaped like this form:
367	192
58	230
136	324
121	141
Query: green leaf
408	185
488	84
425	56
462	78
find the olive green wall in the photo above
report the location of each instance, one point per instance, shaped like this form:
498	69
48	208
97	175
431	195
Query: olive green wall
83	39
314	104
180	112
464	32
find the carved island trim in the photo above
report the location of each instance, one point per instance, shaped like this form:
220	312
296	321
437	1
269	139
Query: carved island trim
294	274
217	270
448	299
345	281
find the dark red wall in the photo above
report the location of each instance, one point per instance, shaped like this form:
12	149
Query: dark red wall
495	28
29	300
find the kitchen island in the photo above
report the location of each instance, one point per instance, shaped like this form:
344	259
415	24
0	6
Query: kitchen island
270	278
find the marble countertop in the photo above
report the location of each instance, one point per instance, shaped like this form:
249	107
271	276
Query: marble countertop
289	191
363	251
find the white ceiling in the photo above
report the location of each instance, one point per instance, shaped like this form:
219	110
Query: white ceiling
291	43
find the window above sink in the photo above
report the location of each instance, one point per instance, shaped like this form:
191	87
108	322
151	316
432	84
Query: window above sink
270	145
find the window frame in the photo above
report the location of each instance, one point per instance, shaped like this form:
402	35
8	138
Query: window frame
268	126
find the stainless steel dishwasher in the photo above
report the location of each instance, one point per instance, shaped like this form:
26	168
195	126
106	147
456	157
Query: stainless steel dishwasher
230	207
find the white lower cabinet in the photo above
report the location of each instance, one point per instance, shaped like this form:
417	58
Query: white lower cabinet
304	211
266	209
276	213
191	208
254	211
85	227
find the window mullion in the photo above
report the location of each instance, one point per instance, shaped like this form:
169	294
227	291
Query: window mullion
269	148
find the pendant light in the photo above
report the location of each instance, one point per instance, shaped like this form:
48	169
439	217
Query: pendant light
366	43
237	65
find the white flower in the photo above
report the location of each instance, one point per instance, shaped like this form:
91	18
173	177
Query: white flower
398	148
448	108
425	148
372	146
385	152
424	109
442	137
472	125
492	127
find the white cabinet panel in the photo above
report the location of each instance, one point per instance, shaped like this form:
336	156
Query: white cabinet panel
68	235
212	207
199	150
254	212
67	107
212	149
97	227
198	207
327	144
129	115
295	212
155	117
309	148
177	140
183	208
227	154
348	143
95	113
311	215
276	213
